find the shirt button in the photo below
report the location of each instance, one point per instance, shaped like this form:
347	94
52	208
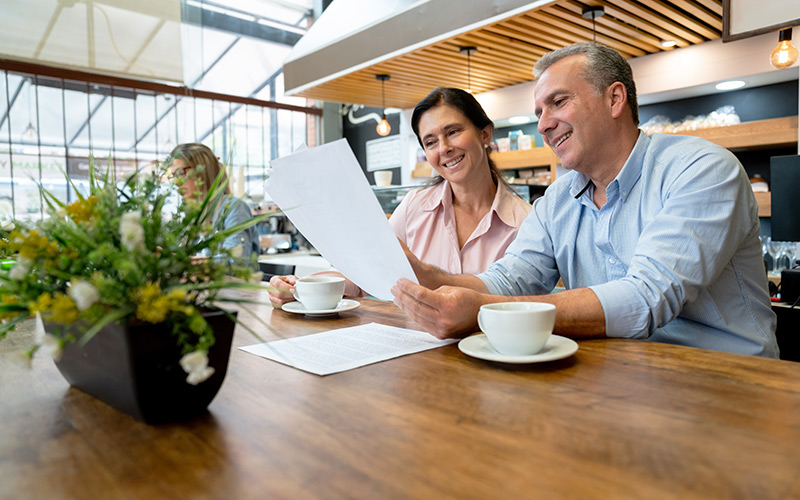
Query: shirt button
612	260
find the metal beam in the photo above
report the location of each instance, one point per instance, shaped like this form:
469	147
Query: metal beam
177	98
47	31
230	24
11	104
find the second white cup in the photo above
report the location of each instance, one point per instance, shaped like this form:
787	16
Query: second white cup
319	293
383	178
517	328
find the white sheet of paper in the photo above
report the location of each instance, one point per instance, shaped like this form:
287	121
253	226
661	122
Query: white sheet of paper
340	350
326	195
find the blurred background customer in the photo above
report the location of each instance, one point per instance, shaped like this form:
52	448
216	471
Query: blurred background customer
199	167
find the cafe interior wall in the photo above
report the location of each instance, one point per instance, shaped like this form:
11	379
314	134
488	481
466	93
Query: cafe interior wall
660	78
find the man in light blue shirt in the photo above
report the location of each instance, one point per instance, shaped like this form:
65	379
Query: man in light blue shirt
655	237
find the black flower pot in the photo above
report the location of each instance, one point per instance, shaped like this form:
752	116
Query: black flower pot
136	370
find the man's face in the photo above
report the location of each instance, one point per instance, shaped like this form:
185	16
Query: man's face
573	118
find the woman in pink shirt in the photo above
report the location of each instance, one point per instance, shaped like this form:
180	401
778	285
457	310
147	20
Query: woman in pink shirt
466	218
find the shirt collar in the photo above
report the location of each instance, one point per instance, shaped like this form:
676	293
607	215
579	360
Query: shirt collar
503	203
627	176
440	194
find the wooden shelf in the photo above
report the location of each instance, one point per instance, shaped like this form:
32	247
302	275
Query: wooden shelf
764	200
772	133
526	158
421	170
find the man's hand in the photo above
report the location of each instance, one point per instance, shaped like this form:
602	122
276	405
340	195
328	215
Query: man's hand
445	312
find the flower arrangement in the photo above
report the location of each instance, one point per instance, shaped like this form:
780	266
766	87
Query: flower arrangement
118	255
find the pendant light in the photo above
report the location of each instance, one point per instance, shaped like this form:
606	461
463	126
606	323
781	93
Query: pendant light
468	50
593	13
785	54
383	127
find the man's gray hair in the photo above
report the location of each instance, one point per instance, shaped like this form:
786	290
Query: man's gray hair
604	66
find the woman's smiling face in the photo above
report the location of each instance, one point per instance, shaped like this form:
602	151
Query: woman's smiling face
453	145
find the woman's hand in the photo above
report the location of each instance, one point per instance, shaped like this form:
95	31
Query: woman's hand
282	290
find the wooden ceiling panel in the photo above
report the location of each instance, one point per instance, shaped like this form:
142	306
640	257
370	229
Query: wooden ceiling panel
508	49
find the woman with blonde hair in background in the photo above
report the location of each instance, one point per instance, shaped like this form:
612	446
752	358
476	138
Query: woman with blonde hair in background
199	167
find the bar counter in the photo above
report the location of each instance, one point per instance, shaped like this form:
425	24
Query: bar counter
619	419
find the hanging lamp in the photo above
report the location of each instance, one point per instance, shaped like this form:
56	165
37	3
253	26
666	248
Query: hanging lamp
468	50
383	127
785	54
593	13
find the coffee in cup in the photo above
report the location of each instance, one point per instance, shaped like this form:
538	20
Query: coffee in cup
517	328
319	293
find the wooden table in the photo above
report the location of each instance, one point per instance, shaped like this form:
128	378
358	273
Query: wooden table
619	419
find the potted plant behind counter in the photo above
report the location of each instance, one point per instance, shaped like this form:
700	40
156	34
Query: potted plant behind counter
129	312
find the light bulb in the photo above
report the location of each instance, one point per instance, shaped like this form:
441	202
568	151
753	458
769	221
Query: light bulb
785	54
383	127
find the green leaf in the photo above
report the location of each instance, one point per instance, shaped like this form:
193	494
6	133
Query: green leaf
110	317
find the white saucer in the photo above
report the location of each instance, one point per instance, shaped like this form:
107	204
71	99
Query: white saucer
298	308
557	347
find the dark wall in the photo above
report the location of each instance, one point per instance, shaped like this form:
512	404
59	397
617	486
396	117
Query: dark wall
757	103
357	136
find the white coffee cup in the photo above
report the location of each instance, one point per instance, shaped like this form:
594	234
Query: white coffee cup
383	178
319	293
517	328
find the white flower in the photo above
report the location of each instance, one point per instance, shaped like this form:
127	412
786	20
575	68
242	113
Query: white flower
50	342
131	231
24	358
53	346
196	365
20	269
83	293
196	377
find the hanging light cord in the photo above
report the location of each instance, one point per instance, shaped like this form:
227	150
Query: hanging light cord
383	99
469	71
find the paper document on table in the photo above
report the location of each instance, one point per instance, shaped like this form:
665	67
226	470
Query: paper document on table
340	350
325	194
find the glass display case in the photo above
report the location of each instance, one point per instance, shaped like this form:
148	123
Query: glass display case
391	196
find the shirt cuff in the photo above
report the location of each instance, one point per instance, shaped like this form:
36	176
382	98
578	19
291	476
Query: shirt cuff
627	314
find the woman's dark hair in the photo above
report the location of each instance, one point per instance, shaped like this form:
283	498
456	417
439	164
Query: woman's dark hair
466	104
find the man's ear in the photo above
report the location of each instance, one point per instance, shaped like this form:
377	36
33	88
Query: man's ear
618	98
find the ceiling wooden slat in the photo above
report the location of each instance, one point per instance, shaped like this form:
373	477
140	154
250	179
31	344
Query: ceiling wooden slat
623	31
657	20
700	13
714	6
508	49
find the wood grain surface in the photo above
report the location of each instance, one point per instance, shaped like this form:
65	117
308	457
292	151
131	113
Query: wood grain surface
619	419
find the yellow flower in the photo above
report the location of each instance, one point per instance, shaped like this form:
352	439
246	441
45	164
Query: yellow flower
8	299
64	310
42	304
151	305
33	245
82	210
